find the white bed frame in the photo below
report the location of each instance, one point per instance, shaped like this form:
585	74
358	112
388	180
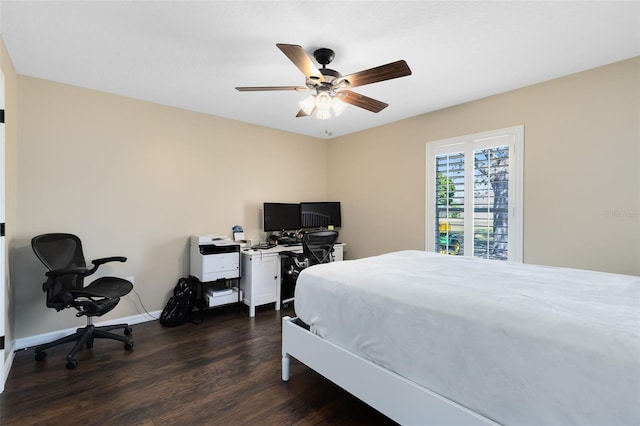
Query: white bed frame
396	397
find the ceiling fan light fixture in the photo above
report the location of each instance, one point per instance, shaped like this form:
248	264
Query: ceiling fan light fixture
338	106
308	104
323	101
323	114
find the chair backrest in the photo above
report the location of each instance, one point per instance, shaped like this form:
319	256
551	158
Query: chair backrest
318	246
60	251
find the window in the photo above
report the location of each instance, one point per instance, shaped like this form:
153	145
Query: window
474	195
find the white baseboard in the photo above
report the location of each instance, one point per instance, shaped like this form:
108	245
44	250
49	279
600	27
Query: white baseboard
39	339
7	367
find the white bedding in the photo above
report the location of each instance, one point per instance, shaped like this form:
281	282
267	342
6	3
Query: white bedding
520	344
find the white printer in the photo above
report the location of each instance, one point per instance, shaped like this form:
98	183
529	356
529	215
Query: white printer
214	257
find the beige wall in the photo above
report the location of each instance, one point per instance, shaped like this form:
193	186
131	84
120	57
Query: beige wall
581	170
136	179
10	143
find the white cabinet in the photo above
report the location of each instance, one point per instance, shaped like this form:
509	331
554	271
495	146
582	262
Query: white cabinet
260	278
260	282
215	262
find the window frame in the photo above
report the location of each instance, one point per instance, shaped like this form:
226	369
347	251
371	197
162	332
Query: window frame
513	137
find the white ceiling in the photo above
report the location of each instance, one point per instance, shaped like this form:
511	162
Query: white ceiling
192	54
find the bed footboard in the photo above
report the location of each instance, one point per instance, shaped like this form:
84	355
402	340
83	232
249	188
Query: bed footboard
394	396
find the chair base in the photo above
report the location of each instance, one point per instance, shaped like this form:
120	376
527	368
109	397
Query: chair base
85	336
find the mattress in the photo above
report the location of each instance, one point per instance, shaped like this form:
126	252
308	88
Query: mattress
520	344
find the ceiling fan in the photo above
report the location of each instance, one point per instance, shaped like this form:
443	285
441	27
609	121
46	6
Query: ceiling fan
329	86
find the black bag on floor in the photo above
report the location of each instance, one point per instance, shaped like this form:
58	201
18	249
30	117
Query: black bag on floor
181	304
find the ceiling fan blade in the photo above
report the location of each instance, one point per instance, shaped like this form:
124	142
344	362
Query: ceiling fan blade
270	88
300	59
381	73
362	101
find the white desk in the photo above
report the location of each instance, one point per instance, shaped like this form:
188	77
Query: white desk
261	280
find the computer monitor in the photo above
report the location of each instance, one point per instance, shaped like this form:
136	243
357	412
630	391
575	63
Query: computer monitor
281	216
320	214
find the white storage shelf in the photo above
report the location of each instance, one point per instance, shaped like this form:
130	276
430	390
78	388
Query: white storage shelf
215	261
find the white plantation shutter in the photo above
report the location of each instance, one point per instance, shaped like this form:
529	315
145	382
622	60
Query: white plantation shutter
491	203
450	212
474	195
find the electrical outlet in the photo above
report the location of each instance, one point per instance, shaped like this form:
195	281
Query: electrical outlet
130	279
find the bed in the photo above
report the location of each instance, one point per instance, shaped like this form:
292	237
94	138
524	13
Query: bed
434	339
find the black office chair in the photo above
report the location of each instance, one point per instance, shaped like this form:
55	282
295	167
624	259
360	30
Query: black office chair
62	255
317	247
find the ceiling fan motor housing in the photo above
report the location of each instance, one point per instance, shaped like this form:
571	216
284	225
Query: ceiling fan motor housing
324	56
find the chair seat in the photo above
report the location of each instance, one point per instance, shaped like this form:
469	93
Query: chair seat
96	308
109	287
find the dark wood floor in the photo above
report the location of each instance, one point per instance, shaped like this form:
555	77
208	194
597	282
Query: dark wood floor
225	371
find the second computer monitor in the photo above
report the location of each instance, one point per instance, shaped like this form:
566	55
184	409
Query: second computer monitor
320	214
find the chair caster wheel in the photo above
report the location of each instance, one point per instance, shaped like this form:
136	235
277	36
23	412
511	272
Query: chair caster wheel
40	356
128	346
71	364
128	331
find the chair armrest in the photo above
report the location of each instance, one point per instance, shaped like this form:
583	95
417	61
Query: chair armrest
85	271
68	271
298	257
103	260
56	273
